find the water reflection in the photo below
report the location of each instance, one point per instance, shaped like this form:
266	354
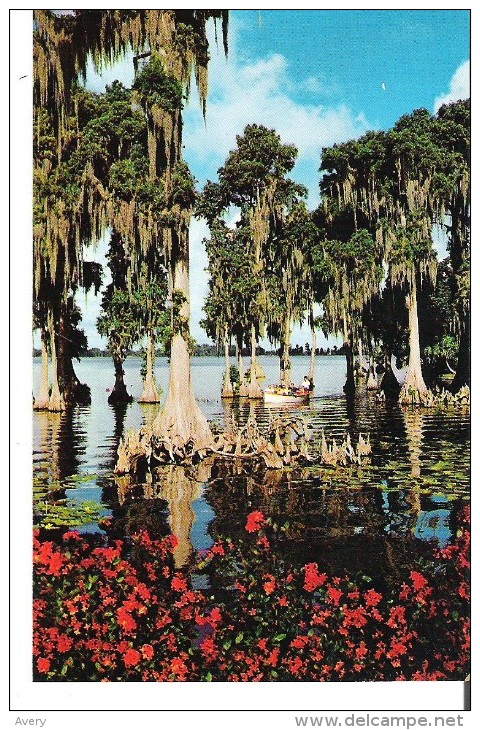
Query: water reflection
368	516
414	421
149	413
46	432
169	502
119	411
180	491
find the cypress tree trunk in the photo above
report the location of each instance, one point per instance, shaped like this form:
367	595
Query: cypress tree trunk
349	386
359	371
227	391
243	389
459	255
56	402
150	392
285	361
462	372
311	372
254	390
372	383
414	388
181	426
72	389
42	400
119	393
390	385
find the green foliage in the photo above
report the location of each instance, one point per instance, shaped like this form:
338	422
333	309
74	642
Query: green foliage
118	322
183	186
356	273
134	304
259	159
233	285
247	279
156	87
397	185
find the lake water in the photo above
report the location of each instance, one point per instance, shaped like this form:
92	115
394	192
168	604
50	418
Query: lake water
355	518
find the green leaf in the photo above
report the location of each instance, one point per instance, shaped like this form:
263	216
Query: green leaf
279	637
239	638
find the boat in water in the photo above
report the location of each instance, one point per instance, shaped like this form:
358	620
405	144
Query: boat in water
279	395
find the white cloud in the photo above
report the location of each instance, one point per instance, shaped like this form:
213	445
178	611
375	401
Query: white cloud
459	87
260	92
316	85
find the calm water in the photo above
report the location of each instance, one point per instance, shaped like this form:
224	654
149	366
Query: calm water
369	517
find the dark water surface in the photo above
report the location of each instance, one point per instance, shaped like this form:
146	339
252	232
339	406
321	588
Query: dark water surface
369	517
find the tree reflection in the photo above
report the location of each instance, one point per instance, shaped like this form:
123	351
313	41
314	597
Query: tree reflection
414	423
119	411
149	412
179	490
49	428
163	504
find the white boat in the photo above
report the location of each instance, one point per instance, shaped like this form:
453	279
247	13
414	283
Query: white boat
285	396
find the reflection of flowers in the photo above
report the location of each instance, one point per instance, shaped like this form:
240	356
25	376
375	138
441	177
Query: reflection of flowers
123	613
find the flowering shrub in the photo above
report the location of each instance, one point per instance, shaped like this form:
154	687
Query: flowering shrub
99	616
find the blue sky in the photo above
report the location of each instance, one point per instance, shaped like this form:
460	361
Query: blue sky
317	77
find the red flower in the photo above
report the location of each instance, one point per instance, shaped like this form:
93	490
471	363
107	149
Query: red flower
55	565
255	521
353	617
272	660
295	665
215	616
147	651
269	585
179	584
71	535
313	579
64	643
335	594
131	658
43	665
179	668
397	649
209	649
143	591
418	580
372	598
126	620
361	650
397	616
283	601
